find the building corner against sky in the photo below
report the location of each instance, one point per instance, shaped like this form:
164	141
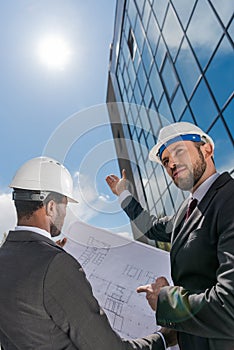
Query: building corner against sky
170	60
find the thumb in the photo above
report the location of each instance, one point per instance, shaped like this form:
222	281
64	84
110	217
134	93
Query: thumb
124	174
142	289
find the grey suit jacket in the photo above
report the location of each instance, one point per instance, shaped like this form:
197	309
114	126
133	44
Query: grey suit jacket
46	303
201	305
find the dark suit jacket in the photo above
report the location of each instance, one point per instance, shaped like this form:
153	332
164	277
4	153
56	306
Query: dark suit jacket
46	303
201	305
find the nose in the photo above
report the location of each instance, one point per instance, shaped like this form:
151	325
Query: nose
171	163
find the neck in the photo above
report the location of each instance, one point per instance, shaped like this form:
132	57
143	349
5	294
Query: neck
208	173
37	219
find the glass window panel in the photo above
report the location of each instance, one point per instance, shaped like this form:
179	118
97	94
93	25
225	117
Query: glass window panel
132	12
153	33
172	32
145	153
147	57
140	5
187	68
165	112
126	52
160	209
228	116
131	73
141	164
129	92
224	151
203	106
231	29
169	77
159	8
137	93
154	188
134	110
187	116
120	79
224	9
204	31
149	168
220	72
137	59
145	124
184	9
139	34
131	122
150	141
126	26
156	85
121	62
124	95
179	103
169	210
155	121
142	78
125	77
146	14
150	200
147	96
160	53
161	180
137	148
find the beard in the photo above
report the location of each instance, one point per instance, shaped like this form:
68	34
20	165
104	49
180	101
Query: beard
194	175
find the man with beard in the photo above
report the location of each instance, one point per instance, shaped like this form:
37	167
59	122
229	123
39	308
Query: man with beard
200	305
45	300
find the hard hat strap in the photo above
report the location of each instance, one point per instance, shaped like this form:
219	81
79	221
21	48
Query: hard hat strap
30	196
187	137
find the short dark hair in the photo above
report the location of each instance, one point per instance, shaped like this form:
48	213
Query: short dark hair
26	208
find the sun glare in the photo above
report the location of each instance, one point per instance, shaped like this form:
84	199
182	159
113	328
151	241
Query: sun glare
54	52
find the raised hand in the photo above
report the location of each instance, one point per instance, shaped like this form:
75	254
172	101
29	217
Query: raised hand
116	184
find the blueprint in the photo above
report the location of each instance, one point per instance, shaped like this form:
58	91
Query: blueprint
115	266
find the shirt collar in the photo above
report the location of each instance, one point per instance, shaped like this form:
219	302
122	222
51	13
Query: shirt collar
33	229
204	187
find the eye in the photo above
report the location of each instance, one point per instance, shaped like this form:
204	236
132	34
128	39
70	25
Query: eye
179	151
165	162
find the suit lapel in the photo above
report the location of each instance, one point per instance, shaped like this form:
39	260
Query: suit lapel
182	231
179	219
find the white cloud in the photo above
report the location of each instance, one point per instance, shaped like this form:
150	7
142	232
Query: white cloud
7	214
204	29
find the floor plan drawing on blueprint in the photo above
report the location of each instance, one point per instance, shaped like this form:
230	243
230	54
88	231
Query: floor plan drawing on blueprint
115	266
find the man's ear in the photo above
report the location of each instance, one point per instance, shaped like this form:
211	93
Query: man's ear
207	150
50	208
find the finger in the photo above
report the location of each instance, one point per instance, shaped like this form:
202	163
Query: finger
124	174
109	180
115	178
142	289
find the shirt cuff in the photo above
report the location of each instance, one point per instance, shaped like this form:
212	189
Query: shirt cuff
123	195
163	339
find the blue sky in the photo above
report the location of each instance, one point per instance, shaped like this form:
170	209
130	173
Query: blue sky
39	99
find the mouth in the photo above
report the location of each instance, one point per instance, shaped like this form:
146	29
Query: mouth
178	172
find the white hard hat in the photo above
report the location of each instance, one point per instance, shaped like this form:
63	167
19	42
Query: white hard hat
181	131
46	175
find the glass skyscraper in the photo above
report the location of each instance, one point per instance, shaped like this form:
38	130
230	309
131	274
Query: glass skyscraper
170	60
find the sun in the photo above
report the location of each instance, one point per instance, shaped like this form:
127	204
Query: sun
54	52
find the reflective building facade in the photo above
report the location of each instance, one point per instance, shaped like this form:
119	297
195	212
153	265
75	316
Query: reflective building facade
170	60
